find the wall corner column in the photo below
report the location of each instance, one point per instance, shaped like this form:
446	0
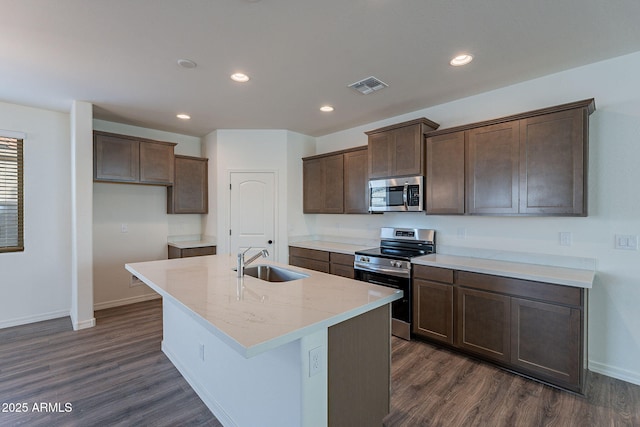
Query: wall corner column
82	215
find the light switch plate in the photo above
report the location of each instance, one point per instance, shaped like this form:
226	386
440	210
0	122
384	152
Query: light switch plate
627	242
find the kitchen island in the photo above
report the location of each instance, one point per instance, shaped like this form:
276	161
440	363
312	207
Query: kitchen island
308	352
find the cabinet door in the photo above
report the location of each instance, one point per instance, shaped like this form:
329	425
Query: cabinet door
493	169
356	188
445	174
546	341
433	310
381	154
333	175
156	163
313	186
407	146
553	163
189	193
115	159
483	323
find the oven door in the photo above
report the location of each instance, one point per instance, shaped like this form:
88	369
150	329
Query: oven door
400	309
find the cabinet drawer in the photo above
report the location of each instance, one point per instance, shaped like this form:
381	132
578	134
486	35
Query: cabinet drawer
343	270
309	253
311	264
567	295
343	259
206	250
436	274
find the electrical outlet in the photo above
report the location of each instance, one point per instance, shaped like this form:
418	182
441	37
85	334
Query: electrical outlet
461	233
124	228
565	238
315	361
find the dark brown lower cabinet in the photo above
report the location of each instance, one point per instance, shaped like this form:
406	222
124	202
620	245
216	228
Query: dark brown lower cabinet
174	252
535	328
483	323
309	258
341	265
433	303
545	340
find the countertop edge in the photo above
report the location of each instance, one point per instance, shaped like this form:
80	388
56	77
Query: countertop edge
458	263
270	344
323	245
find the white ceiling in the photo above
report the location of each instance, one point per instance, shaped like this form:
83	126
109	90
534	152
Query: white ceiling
121	55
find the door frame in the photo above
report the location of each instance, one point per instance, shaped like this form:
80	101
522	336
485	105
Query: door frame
276	210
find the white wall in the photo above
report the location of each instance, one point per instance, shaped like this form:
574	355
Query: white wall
36	284
143	208
614	204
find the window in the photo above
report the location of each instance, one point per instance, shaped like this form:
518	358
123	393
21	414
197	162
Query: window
11	195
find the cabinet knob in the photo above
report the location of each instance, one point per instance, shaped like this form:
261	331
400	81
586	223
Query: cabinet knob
270	242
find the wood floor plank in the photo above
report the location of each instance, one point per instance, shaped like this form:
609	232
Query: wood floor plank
115	374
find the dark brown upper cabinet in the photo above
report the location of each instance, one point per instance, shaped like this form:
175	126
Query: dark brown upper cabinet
335	182
492	158
553	163
533	163
189	192
397	150
127	159
356	172
323	184
445	174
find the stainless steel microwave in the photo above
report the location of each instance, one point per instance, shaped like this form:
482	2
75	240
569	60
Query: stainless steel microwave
396	194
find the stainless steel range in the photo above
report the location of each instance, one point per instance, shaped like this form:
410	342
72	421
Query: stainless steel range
390	265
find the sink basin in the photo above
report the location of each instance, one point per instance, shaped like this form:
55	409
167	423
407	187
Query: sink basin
272	273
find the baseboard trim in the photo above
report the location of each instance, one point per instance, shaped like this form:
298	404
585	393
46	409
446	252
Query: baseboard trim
125	301
85	324
211	403
610	371
33	319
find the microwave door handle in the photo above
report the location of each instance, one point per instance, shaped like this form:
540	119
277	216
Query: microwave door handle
405	192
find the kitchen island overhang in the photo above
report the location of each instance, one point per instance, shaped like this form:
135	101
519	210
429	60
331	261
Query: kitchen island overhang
257	352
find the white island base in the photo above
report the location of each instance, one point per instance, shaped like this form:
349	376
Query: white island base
280	387
306	353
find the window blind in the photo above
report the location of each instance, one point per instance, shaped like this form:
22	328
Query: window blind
11	195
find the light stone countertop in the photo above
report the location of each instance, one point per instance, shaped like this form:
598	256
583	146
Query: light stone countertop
192	243
251	315
322	245
540	273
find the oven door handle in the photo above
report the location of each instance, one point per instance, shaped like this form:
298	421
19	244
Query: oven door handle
382	270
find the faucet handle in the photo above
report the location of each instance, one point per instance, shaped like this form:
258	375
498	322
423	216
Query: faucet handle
246	250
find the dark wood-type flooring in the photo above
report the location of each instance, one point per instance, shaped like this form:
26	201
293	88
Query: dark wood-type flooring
116	375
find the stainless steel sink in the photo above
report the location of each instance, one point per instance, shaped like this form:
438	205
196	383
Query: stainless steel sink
272	273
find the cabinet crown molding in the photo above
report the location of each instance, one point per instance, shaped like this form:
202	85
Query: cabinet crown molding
588	104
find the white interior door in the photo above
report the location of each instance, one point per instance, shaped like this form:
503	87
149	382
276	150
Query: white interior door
252	212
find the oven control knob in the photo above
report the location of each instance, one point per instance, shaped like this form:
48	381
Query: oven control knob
364	259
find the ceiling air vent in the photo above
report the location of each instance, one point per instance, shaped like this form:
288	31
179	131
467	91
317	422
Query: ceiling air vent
368	85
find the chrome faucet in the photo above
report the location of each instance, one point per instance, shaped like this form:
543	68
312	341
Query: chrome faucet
242	263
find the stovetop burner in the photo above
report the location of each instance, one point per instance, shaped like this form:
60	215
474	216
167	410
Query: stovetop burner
402	244
393	253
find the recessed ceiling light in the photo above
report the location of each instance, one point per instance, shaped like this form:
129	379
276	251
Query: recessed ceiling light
326	108
187	63
183	116
239	77
461	60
